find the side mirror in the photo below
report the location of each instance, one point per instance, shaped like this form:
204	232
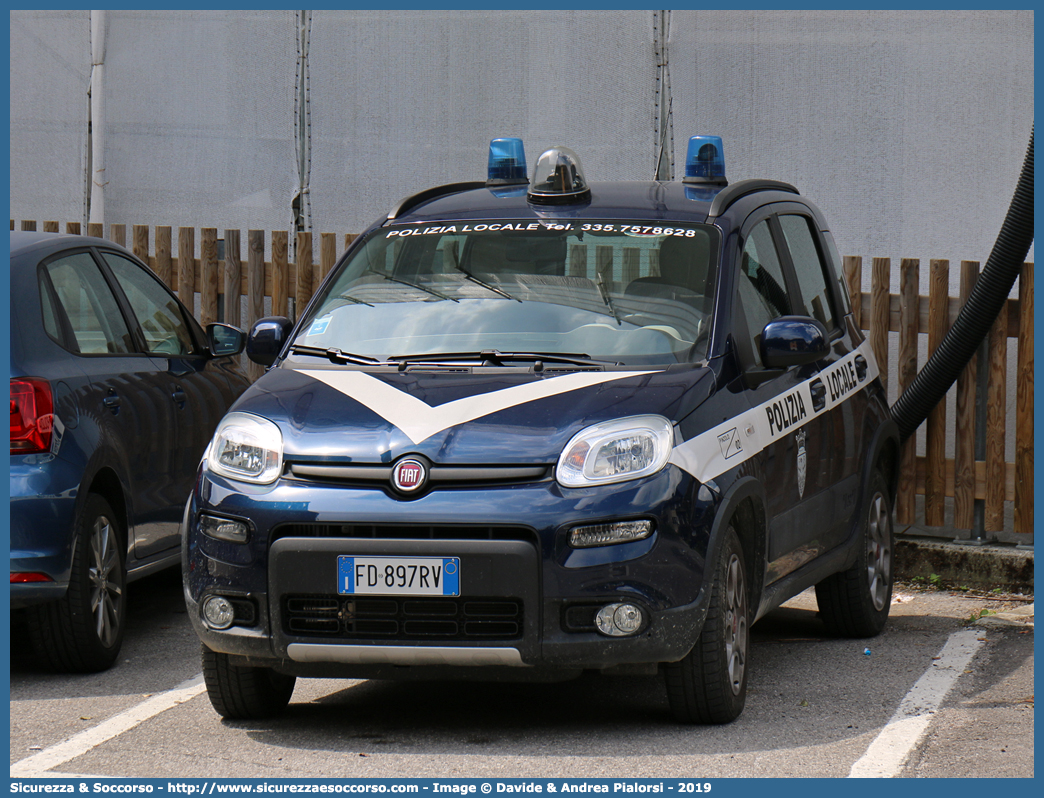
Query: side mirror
224	340
266	339
793	341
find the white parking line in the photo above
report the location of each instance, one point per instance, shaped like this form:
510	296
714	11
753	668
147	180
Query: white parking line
38	764
888	752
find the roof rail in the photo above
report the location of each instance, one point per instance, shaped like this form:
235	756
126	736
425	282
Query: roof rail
733	192
430	193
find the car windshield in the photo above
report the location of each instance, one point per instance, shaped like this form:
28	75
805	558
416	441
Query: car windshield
622	292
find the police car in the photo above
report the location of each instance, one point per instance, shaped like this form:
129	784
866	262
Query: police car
529	428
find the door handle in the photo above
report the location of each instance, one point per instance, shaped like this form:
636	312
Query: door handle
112	402
179	396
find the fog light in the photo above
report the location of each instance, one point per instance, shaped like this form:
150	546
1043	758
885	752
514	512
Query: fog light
617	620
583	537
223	528
218	612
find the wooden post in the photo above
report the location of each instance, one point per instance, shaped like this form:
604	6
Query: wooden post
604	265
72	228
209	277
1024	409
304	273
118	234
632	264
349	238
141	242
28	226
909	281
854	278
964	452
233	278
95	230
578	260
327	257
996	403
255	288
280	273
51	227
935	447
164	265
187	266
879	310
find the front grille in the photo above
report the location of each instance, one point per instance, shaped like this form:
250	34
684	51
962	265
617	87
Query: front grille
403	618
405	532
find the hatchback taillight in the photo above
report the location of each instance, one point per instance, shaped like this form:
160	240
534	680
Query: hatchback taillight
32	416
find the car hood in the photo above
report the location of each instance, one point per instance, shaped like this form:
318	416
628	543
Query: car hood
496	417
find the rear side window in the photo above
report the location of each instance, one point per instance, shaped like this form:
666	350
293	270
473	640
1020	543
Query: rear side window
158	313
97	325
809	268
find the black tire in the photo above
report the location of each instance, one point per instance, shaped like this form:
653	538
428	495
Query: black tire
710	684
855	603
83	632
244	693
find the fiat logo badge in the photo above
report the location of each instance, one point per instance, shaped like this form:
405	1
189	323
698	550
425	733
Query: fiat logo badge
408	475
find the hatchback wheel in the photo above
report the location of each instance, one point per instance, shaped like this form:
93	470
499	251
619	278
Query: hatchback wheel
710	684
83	632
241	692
855	603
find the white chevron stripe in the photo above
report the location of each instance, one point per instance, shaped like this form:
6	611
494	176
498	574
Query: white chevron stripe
419	420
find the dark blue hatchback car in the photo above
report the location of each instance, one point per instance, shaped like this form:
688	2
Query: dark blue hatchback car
115	392
532	427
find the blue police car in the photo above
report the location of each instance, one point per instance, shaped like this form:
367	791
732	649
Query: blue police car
532	427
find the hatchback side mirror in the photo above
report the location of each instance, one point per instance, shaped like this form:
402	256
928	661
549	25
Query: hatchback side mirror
266	339
224	340
793	341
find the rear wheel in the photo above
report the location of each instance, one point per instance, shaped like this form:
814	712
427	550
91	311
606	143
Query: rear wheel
855	603
239	692
83	632
710	684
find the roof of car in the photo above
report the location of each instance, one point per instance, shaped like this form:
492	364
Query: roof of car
25	241
652	200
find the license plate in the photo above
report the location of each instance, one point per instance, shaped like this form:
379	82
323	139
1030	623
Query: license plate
398	576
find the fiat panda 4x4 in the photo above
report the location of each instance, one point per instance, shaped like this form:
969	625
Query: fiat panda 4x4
528	428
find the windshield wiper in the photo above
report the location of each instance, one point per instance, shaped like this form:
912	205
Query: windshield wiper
496	357
606	299
431	291
484	284
353	299
335	355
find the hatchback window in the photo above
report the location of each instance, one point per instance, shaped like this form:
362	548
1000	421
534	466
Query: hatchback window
624	292
93	314
158	313
809	268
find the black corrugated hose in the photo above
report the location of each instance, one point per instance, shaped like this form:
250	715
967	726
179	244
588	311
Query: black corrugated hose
977	316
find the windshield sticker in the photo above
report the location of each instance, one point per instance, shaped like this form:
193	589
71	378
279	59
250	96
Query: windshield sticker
644	230
319	326
719	449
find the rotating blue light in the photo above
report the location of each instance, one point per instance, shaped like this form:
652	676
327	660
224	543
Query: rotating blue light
507	162
705	161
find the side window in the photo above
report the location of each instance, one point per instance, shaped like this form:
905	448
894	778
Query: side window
809	268
158	313
762	287
93	314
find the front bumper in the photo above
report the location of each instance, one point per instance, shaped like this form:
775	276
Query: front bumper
515	563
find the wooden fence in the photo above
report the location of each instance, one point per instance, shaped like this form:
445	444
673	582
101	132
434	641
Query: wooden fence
964	478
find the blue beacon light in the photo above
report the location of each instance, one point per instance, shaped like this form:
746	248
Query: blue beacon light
507	163
705	161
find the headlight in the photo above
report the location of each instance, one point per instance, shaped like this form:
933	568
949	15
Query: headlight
615	451
248	448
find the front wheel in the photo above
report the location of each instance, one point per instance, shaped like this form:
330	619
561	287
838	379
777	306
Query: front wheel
83	632
710	684
240	692
854	603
